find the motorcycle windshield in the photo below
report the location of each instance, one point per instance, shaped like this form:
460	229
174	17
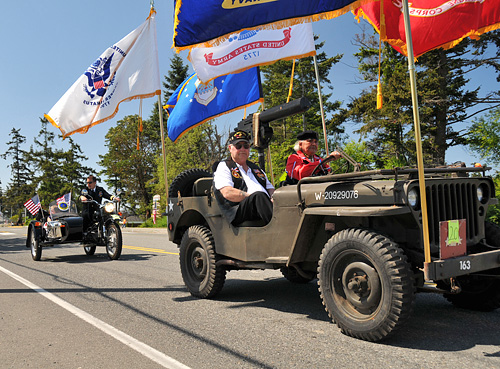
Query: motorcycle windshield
62	209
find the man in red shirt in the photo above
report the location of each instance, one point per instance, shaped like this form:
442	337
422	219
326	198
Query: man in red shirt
302	163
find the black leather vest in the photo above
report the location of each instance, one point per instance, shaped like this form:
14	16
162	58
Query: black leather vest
229	208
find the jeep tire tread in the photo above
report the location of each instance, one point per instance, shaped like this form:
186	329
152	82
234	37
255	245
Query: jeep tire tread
183	183
366	284
202	277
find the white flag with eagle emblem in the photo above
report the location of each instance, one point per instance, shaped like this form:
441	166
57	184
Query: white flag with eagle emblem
127	70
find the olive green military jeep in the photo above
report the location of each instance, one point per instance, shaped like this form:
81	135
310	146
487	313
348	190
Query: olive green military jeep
359	233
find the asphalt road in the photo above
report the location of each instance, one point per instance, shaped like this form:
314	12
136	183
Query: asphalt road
73	311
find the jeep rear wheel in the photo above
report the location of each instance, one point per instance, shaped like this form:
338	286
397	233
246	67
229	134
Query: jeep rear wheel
202	277
292	275
477	293
366	284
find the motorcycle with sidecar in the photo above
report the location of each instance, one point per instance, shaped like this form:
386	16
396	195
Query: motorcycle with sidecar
62	224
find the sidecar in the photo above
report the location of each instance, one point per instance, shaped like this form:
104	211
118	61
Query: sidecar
61	224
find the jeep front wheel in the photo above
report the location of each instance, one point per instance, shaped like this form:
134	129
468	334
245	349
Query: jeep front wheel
366	284
202	277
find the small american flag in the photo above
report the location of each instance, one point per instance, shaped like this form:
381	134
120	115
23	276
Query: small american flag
33	205
66	198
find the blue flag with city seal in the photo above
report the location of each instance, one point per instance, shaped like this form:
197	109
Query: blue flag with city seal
194	102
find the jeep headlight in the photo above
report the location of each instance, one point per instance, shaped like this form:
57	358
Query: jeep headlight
109	207
413	197
480	194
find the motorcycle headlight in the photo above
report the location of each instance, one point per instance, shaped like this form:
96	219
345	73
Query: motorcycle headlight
109	207
413	198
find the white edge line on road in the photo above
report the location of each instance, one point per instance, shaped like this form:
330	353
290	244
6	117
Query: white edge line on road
140	347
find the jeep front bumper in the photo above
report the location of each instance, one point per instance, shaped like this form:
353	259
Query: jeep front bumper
454	267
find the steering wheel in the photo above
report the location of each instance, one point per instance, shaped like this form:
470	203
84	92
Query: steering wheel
344	168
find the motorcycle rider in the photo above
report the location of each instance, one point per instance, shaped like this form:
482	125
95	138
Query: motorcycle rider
96	193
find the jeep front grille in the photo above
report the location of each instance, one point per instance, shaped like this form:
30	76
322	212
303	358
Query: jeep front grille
452	201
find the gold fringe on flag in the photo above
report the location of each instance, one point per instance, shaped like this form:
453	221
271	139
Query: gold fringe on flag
379	85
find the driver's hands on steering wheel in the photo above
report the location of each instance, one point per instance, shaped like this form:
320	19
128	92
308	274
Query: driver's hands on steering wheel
335	154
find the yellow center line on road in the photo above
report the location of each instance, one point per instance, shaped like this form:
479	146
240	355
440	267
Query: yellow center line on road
159	251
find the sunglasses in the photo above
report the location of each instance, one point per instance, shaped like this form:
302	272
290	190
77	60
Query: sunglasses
239	145
90	182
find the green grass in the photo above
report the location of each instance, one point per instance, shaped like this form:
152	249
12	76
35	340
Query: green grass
161	222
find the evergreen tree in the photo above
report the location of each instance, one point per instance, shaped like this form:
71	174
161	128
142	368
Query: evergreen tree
47	160
73	170
276	85
484	136
200	147
21	187
133	168
56	171
443	94
175	76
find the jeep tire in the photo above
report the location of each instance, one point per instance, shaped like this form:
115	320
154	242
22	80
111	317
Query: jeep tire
366	284
292	275
183	182
202	277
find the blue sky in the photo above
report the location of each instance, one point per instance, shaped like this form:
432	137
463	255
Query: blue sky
47	45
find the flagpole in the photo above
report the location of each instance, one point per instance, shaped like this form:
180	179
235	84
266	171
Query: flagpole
321	103
418	138
160	111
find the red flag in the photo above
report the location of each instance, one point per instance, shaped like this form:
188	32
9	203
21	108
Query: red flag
434	23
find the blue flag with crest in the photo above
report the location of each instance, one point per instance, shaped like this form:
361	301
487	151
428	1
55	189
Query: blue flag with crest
194	103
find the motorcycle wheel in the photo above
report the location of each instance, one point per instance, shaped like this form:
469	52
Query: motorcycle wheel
113	241
36	249
89	250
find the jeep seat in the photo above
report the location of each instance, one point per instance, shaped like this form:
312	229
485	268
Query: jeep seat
202	186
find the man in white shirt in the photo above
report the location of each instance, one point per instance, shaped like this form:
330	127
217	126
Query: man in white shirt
241	187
